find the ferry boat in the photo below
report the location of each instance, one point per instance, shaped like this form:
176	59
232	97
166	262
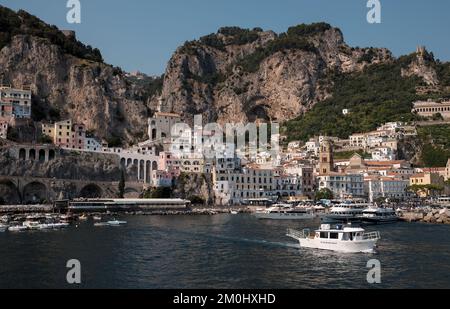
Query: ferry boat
379	215
284	212
338	238
347	211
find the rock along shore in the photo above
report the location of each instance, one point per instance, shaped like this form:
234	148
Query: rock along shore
437	216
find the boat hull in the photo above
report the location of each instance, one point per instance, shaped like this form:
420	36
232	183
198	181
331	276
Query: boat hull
362	246
380	220
283	216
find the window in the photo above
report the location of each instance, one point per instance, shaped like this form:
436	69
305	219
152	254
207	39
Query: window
334	235
324	235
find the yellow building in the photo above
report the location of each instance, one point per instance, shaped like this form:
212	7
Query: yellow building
427	178
59	132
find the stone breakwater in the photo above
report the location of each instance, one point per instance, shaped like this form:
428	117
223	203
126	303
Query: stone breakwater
437	216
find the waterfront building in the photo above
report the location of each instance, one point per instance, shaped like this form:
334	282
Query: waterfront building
305	173
238	186
431	108
15	103
427	178
342	185
386	187
162	178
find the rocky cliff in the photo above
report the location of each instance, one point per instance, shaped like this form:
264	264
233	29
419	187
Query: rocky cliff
70	80
233	75
245	75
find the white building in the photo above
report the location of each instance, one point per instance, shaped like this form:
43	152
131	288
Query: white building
92	144
358	140
383	154
15	103
386	188
236	187
313	146
342	185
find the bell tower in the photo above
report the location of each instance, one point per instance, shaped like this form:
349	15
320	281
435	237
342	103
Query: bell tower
326	164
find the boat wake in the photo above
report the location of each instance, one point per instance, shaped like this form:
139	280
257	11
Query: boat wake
236	239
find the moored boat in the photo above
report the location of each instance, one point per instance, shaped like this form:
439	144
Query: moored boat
284	212
3	228
17	228
116	222
338	238
379	215
346	211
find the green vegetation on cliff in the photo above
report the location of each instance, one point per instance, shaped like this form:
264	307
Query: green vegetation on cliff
436	145
375	96
295	38
23	23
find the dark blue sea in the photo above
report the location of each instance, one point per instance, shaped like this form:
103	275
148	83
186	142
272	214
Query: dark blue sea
223	251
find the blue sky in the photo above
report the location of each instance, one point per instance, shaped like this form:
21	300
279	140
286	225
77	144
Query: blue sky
142	34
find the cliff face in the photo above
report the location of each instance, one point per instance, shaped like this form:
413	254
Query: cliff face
69	166
266	76
66	86
422	66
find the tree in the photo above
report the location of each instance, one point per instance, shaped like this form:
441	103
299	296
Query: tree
122	184
425	189
324	194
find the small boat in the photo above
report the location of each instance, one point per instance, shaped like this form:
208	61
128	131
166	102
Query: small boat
3	228
284	212
99	224
116	222
338	238
234	212
379	215
17	228
97	218
32	225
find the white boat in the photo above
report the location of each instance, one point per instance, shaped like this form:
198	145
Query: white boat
32	225
83	218
116	222
17	228
99	224
338	238
284	212
59	225
234	212
379	215
347	211
97	218
3	228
